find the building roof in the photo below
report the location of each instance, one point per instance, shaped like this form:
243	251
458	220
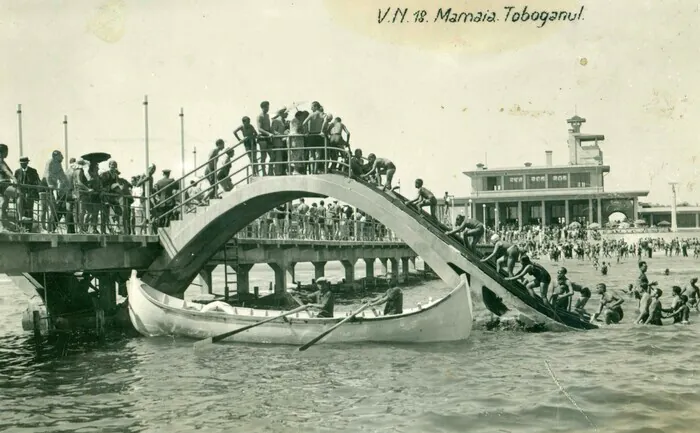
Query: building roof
536	169
667	209
547	195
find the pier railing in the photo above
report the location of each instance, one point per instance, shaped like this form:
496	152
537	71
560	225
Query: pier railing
47	209
57	210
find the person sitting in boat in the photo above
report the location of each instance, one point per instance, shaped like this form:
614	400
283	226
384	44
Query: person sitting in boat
381	166
425	198
610	306
504	252
693	293
681	312
323	298
542	279
394	301
469	229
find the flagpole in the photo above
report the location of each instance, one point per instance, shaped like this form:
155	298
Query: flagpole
182	159
147	185
19	121
65	139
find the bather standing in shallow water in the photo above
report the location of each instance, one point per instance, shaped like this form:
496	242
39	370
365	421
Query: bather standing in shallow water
610	306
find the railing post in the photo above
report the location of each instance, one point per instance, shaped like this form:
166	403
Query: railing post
325	154
126	217
43	208
147	211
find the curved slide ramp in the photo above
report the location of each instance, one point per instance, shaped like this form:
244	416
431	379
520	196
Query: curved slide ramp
191	243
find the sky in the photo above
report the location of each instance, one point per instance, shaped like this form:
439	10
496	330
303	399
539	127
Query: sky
436	98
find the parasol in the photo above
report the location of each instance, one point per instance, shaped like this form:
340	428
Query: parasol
663	224
575	225
594	226
96	157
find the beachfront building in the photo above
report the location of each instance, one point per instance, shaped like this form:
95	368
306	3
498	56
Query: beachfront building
548	194
687	217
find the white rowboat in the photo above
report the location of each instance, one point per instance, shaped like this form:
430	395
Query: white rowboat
156	314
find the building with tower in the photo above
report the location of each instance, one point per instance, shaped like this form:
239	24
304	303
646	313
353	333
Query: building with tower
547	194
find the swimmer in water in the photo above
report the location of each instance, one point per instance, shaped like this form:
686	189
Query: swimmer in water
542	279
693	293
655	309
610	306
681	312
504	252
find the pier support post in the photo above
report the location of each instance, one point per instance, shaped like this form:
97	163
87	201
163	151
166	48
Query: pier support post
108	292
349	270
205	279
243	279
284	273
394	270
385	269
404	268
319	269
369	267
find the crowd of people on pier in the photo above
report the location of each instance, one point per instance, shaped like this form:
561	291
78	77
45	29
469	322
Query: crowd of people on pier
81	199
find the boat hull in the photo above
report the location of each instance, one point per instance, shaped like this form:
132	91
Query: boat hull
156	314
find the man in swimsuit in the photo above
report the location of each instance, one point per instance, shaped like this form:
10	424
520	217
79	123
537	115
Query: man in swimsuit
210	170
249	138
610	306
542	279
315	141
381	166
693	293
571	287
264	135
504	252
394	301
336	141
681	312
469	229
424	198
655	309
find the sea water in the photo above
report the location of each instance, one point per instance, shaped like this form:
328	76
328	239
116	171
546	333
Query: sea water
618	379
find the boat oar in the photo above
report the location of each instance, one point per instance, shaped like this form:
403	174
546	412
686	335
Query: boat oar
323	334
220	337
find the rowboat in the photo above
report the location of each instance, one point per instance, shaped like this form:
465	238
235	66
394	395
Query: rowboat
154	313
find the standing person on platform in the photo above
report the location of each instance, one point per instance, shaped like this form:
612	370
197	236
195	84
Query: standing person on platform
249	141
278	150
424	198
222	176
111	195
315	141
7	190
81	195
210	171
28	182
471	231
166	188
56	179
145	182
264	135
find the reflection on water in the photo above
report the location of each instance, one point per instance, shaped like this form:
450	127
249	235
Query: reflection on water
626	379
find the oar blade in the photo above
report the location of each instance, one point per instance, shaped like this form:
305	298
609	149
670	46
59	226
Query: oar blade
201	344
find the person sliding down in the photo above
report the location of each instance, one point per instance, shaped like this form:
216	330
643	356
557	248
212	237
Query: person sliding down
540	275
381	166
502	252
424	198
469	229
